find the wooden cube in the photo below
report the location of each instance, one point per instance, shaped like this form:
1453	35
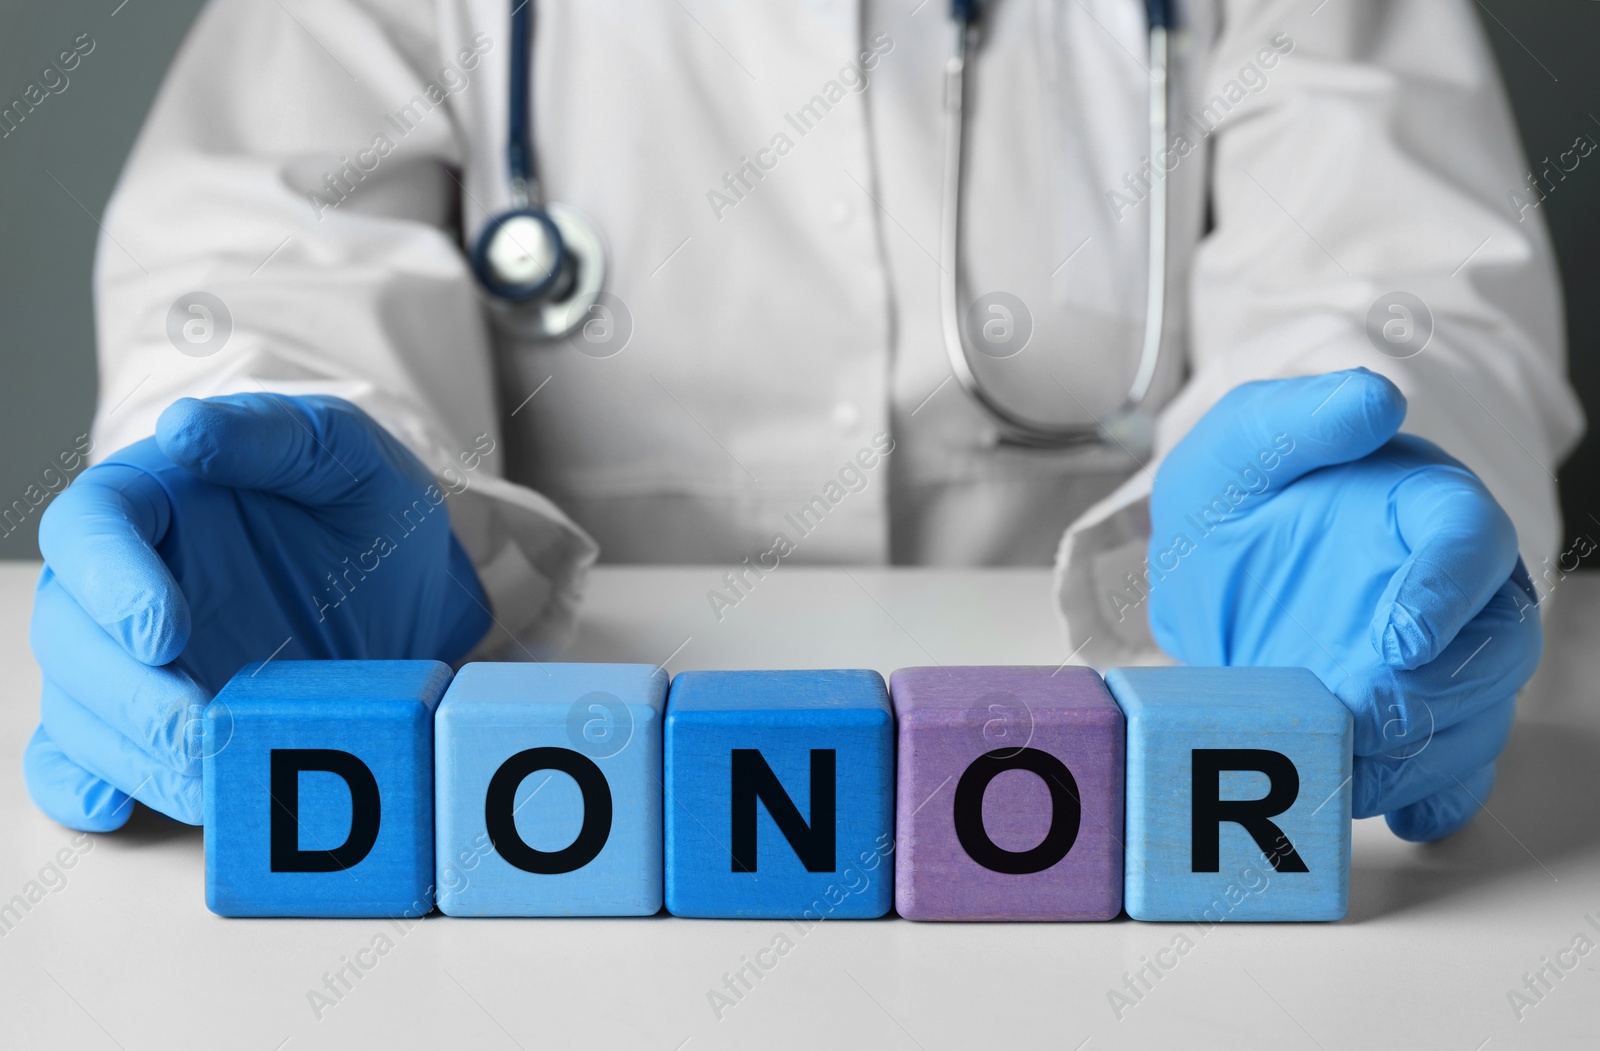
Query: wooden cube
1238	794
547	790
1009	794
319	789
779	788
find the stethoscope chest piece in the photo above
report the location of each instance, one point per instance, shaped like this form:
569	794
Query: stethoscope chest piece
550	262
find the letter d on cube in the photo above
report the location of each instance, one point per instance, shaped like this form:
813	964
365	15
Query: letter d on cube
319	789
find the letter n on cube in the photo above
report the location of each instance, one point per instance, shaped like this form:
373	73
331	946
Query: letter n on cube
779	795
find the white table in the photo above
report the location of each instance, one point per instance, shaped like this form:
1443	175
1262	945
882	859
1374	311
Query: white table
124	954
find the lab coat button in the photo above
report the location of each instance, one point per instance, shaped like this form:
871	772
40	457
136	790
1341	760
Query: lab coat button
846	415
839	213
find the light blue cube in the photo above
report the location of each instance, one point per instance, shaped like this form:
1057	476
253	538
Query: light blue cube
547	782
779	795
1238	794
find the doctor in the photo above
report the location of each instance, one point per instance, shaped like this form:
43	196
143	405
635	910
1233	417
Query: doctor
331	435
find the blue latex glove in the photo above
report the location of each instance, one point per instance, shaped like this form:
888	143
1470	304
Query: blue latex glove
251	526
1317	537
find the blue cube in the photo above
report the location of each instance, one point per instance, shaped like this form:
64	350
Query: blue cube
548	790
1238	794
319	789
779	795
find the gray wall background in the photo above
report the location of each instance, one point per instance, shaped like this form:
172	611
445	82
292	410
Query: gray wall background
57	170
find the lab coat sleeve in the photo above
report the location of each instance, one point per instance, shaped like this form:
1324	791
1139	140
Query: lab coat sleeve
1379	156
299	166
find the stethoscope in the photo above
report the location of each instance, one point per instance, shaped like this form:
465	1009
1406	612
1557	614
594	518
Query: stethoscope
547	259
1130	426
550	259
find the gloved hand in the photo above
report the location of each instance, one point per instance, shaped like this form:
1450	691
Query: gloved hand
1292	526
251	526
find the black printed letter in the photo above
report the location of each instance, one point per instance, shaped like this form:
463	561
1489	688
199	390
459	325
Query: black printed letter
285	765
753	779
1209	811
500	815
1066	811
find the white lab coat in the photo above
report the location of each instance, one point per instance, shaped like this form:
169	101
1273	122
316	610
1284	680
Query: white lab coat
776	330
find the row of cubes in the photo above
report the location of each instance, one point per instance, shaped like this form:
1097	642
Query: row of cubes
388	788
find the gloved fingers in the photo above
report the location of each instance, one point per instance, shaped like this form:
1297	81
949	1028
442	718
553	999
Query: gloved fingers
156	709
91	743
1383	783
1445	812
67	793
316	451
1491	658
1463	548
98	539
1278	430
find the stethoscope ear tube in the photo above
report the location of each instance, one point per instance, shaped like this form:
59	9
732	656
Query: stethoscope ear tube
1155	313
1130	427
520	158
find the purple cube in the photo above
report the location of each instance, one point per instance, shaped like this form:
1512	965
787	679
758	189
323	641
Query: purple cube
1009	794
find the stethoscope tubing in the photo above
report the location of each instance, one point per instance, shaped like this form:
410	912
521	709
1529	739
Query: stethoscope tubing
1017	428
521	162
